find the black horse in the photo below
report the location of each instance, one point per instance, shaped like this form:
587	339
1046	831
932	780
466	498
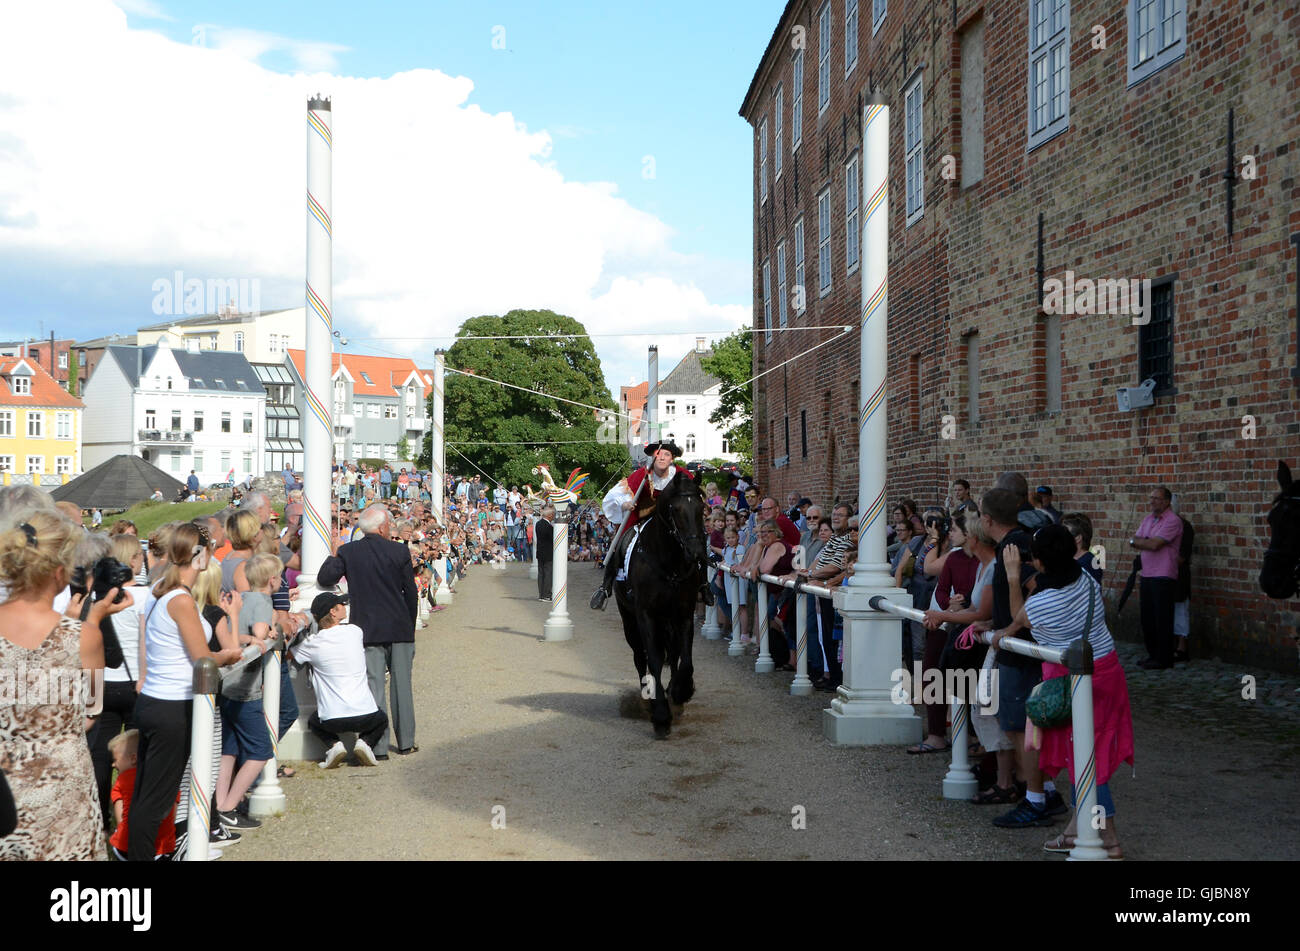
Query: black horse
1280	576
657	601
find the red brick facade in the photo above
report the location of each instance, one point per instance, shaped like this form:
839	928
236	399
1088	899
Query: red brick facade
1133	187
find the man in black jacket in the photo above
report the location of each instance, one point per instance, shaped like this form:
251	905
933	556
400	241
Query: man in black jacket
381	582
544	539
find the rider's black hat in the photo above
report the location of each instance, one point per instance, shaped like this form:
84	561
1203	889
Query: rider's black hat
672	447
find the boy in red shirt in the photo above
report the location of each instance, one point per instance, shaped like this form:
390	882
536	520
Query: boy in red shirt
123	749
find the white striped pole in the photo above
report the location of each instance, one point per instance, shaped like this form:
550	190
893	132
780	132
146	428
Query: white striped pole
960	782
1087	839
862	713
438	450
559	626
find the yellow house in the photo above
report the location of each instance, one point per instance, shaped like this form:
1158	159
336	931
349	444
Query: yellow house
40	425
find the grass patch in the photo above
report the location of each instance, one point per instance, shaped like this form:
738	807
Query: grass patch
149	515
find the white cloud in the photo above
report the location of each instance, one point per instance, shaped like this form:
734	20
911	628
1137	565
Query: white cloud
252	45
123	148
145	8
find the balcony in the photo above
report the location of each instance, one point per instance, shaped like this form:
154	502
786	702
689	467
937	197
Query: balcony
165	436
344	421
415	424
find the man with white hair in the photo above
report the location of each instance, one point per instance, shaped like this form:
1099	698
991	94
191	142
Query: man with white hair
385	603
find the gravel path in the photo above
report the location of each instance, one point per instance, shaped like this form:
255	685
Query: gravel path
550	738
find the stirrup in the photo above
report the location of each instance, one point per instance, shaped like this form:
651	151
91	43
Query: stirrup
598	599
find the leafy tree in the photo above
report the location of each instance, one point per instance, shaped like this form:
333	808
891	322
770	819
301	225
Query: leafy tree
403	449
732	361
505	431
74	370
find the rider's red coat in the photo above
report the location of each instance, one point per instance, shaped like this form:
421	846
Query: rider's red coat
646	503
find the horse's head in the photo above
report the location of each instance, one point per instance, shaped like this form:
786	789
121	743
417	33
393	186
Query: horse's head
681	506
1280	576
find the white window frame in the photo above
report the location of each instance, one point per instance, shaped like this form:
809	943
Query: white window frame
825	270
358	409
779	137
36	465
390	411
22	385
800	265
372	411
390	452
796	103
239	341
174	456
767	300
63	361
1049	58
248	462
762	160
781	310
226	425
850	36
198	421
852	213
1169	32
36	422
690	409
198	460
248	424
825	41
670	407
6	463
914	149
6	423
62	425
689	445
63	465
879	8
225	462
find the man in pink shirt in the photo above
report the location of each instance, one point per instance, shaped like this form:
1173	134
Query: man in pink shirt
1158	540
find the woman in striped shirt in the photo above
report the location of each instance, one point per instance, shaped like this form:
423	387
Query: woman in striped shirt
1056	614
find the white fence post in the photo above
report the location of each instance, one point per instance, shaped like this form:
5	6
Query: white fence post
960	783
733	595
198	822
763	664
1087	839
710	630
802	686
268	798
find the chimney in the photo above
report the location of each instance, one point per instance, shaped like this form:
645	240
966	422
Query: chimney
699	345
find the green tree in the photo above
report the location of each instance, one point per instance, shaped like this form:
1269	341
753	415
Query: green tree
403	449
74	370
505	431
732	361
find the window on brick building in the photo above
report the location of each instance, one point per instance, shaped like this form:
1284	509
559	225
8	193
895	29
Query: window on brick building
914	390
780	285
796	103
824	242
972	380
1156	338
803	432
972	104
762	161
787	437
1049	69
850	36
780	133
852	230
878	10
800	284
825	37
1157	36
914	148
767	299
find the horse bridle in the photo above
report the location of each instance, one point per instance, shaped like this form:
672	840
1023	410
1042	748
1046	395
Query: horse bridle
673	577
1294	553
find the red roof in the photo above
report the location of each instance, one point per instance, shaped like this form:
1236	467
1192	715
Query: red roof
386	374
45	389
634	397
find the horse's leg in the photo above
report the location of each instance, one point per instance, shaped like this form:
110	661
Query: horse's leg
683	687
661	715
632	634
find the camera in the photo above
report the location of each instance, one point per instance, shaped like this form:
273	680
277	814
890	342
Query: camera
105	575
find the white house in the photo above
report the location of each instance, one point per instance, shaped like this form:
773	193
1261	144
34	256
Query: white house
261	337
177	409
684	401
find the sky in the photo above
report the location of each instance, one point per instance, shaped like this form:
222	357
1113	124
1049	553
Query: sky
585	157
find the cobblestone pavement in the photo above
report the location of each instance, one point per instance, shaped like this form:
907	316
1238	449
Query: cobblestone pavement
549	737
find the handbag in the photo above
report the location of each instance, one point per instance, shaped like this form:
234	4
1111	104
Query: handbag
1049	702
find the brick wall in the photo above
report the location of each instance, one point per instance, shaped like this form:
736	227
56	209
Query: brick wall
1133	188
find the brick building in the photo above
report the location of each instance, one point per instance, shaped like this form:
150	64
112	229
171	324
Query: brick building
1160	146
54	360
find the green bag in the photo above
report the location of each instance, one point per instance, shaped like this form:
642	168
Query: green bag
1049	703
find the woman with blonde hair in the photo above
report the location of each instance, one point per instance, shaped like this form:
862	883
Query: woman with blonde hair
245	532
174	640
43	747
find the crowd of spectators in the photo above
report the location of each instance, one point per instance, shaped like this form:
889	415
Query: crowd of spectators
1011	563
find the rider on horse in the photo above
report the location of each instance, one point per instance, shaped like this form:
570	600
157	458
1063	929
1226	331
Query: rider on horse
632	501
